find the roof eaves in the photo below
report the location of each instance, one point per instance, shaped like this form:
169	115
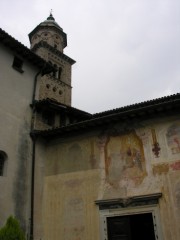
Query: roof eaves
59	106
108	118
138	105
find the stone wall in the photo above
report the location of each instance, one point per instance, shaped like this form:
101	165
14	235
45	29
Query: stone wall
58	85
52	37
54	89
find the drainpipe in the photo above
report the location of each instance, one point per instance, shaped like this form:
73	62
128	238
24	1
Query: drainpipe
32	188
33	156
31	237
35	84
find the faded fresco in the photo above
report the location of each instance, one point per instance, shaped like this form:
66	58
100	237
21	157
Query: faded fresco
155	146
177	195
173	138
162	168
110	166
177	202
124	158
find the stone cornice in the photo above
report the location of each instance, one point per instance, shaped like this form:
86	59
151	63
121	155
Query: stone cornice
142	200
56	29
43	44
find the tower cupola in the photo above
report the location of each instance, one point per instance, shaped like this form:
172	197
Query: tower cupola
48	41
50	32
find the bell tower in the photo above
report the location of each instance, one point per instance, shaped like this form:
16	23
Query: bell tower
48	40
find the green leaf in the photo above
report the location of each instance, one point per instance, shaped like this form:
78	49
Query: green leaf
12	230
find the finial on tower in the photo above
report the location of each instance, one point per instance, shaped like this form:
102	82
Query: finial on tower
51	16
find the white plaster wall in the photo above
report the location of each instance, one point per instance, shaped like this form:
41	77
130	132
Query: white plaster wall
16	91
38	188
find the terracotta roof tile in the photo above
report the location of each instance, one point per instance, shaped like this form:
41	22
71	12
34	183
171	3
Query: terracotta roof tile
144	109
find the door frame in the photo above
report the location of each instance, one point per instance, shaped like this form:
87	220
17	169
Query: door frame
154	210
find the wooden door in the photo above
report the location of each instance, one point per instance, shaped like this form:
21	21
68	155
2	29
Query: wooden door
118	228
131	227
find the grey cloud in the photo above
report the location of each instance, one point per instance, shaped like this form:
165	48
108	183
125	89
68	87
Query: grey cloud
126	51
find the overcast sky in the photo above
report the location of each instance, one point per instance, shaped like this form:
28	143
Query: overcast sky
126	51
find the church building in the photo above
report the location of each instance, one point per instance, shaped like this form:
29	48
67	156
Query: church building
71	175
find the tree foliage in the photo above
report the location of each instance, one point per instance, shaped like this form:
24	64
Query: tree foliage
12	230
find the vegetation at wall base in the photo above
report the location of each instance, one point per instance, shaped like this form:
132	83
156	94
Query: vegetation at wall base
12	230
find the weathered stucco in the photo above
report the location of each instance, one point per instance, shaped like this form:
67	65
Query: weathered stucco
71	204
78	171
15	116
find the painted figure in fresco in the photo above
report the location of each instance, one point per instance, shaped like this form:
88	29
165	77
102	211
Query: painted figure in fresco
133	158
125	158
173	138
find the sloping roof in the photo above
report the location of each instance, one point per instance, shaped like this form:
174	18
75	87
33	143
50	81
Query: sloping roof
24	52
144	110
141	105
51	103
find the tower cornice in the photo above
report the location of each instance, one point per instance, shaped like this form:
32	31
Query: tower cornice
58	30
53	50
49	24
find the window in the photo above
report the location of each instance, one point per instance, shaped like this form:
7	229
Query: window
59	73
17	64
63	120
55	73
48	118
2	162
